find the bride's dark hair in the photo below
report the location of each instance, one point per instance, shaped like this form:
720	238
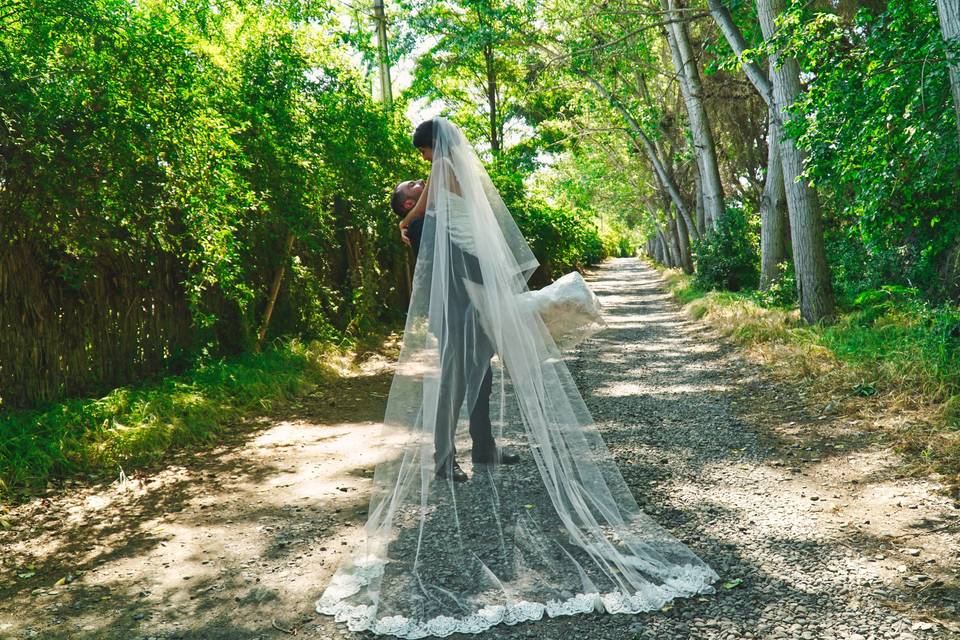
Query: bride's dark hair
423	135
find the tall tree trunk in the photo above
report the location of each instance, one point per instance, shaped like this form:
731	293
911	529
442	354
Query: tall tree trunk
701	217
495	141
814	287
674	235
665	187
664	156
773	220
738	45
773	223
684	214
274	292
665	247
683	240
704	147
949	11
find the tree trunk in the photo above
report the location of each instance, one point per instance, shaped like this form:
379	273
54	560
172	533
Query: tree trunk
665	247
665	189
738	45
704	147
773	221
684	215
949	11
674	237
274	292
701	218
495	141
814	287
683	239
773	231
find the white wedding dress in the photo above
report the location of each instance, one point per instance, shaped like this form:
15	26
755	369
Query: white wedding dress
557	534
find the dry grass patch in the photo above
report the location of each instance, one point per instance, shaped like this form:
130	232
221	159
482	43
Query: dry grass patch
887	371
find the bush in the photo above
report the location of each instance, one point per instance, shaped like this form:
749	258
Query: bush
783	292
618	242
727	257
561	238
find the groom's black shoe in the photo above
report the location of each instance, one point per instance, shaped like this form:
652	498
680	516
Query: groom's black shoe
451	470
494	456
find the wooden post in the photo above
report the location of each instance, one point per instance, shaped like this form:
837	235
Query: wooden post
386	88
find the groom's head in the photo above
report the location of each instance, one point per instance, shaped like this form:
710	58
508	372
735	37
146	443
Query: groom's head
405	196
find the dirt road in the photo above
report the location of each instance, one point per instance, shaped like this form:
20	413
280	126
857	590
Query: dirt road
804	516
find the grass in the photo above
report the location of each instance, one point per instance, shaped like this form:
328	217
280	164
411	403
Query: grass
893	359
139	425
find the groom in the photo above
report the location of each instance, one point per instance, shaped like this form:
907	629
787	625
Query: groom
453	383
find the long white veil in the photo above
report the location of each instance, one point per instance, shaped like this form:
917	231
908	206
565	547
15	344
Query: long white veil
558	533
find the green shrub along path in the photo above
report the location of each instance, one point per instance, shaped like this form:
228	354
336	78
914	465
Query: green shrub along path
806	514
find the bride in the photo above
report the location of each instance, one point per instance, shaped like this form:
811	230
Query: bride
554	532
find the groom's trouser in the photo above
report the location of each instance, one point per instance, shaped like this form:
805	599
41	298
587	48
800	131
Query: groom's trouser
465	353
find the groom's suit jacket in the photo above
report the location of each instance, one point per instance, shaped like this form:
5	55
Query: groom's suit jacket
414	232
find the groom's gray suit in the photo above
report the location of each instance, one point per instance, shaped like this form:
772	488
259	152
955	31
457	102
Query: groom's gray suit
464	348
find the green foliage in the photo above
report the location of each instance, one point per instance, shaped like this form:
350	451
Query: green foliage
894	324
618	241
559	237
167	151
474	59
727	257
881	134
782	292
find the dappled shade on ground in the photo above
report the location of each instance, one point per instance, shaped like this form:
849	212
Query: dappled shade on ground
815	541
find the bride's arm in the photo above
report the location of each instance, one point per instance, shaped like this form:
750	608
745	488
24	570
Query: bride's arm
449	180
418	209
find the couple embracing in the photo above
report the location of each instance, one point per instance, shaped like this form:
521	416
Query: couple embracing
465	350
553	530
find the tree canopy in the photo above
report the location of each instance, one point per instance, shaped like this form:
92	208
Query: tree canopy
181	179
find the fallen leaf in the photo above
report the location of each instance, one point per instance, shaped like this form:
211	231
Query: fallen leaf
730	584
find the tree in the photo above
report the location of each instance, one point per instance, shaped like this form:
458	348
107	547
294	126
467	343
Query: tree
704	147
950	26
814	286
474	55
773	223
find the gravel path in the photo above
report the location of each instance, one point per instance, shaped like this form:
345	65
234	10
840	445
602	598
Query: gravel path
668	397
806	519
